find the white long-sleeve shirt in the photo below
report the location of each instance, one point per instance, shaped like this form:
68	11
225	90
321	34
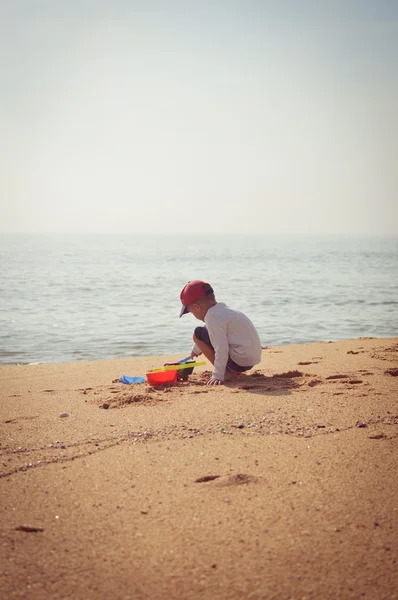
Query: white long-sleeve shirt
231	334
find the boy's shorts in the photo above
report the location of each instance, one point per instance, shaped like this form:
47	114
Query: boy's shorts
203	335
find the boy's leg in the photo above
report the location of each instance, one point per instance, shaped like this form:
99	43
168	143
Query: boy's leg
233	370
202	340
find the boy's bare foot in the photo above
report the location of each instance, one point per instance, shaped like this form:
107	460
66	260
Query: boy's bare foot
230	375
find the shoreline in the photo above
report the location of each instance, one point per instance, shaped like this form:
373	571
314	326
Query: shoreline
180	355
259	488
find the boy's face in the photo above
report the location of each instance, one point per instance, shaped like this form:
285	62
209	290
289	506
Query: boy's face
197	310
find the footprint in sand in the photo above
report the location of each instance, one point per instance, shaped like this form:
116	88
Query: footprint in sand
307	362
314	382
16	419
229	480
238	479
393	372
206	478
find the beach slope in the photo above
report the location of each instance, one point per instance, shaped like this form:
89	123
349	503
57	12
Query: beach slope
282	484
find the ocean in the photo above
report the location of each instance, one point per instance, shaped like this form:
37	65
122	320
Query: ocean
89	297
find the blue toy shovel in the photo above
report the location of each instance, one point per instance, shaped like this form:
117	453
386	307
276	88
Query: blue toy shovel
130	380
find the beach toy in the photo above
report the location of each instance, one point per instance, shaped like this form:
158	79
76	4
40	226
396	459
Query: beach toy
160	377
177	367
186	362
171	371
130	380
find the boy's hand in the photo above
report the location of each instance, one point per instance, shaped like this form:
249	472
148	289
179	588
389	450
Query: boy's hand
194	354
213	381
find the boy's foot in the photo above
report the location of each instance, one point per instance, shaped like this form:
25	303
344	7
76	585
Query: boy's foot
231	374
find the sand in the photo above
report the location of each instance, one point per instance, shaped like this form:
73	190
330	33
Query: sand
280	485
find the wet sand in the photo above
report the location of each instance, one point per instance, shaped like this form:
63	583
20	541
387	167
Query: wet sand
280	485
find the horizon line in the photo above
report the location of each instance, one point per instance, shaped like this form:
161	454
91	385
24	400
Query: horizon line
207	234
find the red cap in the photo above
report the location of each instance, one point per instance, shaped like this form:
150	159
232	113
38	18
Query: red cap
192	292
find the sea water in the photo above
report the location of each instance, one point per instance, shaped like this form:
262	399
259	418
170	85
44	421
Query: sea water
89	297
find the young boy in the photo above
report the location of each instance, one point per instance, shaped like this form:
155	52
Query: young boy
229	340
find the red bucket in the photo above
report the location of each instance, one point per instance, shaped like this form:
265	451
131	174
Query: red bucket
161	377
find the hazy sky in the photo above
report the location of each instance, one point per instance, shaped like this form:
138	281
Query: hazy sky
199	116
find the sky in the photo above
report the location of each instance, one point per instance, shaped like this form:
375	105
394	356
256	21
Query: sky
206	116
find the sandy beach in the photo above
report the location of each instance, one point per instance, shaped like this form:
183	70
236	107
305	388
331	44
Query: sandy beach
280	485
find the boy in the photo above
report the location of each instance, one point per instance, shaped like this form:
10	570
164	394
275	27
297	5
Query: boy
229	340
